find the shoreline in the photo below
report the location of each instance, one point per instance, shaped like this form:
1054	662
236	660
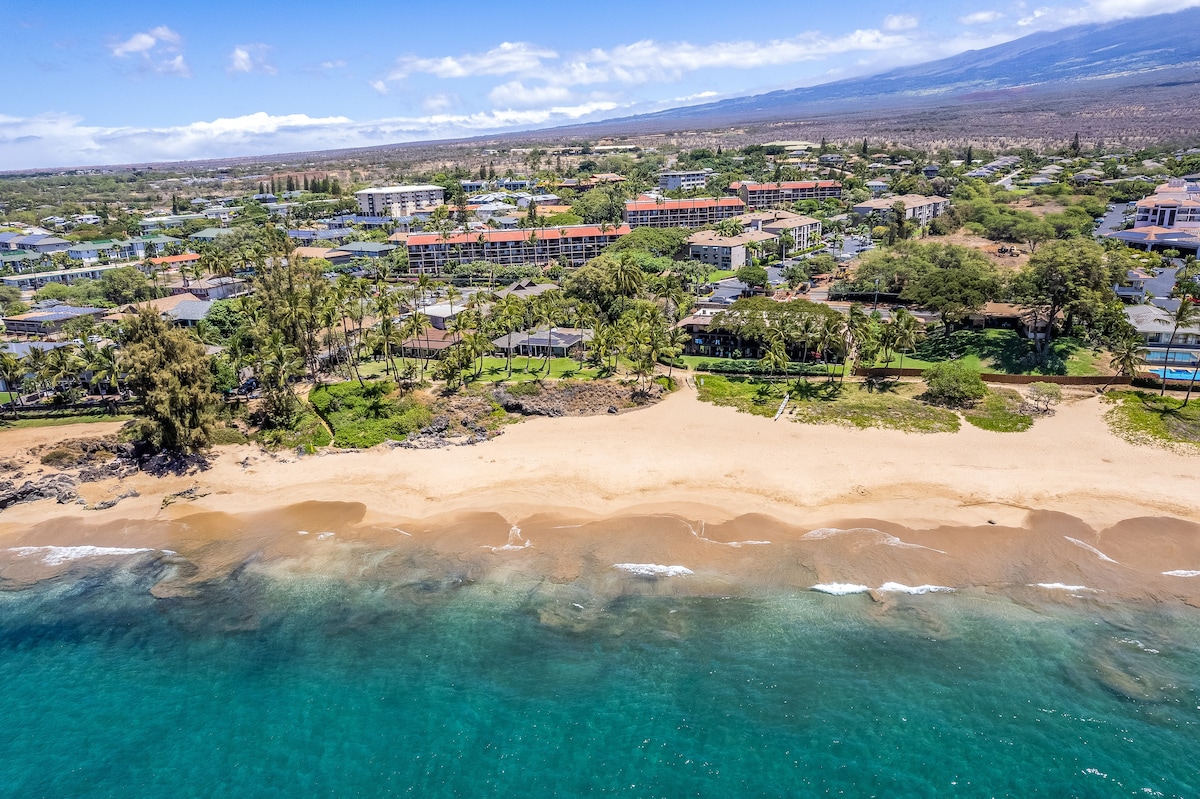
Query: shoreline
591	492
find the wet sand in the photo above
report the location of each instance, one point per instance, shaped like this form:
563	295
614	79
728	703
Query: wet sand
741	502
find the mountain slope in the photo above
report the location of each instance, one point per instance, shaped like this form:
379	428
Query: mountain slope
1082	53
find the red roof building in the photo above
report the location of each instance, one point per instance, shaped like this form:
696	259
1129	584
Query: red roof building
776	195
657	212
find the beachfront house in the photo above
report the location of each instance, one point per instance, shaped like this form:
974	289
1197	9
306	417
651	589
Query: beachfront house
1154	326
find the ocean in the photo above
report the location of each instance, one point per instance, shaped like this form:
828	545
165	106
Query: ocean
267	685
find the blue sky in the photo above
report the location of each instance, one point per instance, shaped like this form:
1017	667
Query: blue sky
132	81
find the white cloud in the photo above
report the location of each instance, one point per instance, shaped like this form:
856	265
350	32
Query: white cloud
333	64
506	59
438	102
1054	17
980	18
62	140
379	86
516	93
247	58
159	49
899	22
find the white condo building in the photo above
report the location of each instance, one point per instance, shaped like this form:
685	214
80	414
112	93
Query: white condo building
398	201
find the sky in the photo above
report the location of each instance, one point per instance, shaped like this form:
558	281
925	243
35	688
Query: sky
127	82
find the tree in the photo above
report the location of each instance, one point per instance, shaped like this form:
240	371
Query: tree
1066	277
753	276
959	283
168	371
1044	396
1185	316
12	372
952	384
906	330
1128	353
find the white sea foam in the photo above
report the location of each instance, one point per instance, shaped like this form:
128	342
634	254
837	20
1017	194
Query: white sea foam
515	542
653	569
1063	587
841	589
401	532
1090	548
733	544
302	532
900	588
52	556
1182	573
886	539
323	536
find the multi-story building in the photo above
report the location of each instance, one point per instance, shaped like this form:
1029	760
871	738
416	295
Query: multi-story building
397	201
657	212
1175	204
570	246
684	180
804	230
777	195
724	252
917	208
119	249
36	242
1155	326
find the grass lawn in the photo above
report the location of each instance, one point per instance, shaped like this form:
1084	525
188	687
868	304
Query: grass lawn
1143	417
720	274
495	370
60	420
1003	351
308	433
693	362
1000	412
363	416
817	402
7	396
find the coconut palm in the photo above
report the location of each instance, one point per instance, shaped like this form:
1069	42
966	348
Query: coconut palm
105	365
1186	315
1128	353
12	371
905	332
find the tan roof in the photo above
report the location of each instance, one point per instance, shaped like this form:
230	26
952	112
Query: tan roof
161	305
311	252
710	238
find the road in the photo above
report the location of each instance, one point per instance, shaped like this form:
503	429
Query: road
1006	181
1113	220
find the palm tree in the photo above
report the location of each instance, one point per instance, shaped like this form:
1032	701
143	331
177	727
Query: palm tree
905	332
35	364
418	325
776	357
62	365
12	371
1186	315
1128	353
105	366
628	277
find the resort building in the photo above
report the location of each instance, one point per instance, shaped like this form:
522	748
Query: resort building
559	342
1167	219
657	212
777	195
1154	325
40	243
804	230
48	317
398	201
688	180
725	252
119	249
917	208
569	246
34	281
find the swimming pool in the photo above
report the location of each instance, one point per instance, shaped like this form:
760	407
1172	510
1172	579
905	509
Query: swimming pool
1174	374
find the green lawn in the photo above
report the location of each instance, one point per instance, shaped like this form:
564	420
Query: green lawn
1000	412
693	362
495	370
7	396
60	420
1146	418
819	402
1003	351
720	274
363	416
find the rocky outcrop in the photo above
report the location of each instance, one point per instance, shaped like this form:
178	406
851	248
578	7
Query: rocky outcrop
59	487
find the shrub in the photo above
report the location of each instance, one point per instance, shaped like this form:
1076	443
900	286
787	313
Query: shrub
1044	396
952	384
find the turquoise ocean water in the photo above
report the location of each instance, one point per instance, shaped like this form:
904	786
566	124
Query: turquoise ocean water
262	688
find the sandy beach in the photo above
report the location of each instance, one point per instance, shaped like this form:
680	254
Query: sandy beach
733	498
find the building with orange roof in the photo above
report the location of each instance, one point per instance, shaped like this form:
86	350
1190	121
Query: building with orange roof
776	195
698	212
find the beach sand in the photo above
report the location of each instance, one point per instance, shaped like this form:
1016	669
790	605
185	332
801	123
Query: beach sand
733	498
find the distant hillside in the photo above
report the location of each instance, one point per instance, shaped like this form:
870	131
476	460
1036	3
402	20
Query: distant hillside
1112	51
